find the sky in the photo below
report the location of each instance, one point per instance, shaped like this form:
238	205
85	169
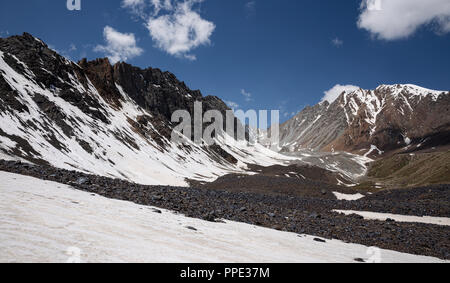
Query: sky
253	54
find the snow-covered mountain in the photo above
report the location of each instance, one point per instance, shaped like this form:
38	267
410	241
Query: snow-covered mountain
371	122
106	120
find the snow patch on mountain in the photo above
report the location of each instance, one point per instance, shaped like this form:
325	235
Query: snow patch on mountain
348	197
414	90
373	149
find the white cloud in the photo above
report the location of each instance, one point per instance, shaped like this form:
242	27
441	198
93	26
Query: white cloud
337	42
397	19
119	46
180	29
231	104
247	95
174	25
332	94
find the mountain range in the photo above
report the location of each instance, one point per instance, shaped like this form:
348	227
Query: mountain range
115	121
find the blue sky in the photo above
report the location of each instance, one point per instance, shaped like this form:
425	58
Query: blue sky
260	54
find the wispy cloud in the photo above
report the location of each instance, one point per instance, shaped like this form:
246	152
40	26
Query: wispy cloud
119	46
337	42
247	95
72	47
282	107
159	5
231	104
250	7
66	52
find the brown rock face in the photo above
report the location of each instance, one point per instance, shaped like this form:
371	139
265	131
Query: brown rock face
101	74
158	92
372	122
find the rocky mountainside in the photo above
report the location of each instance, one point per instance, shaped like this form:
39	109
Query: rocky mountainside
110	120
388	119
115	121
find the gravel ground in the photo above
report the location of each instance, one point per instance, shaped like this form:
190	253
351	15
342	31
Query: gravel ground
302	215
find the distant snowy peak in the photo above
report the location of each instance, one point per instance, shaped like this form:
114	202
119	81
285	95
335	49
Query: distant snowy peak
391	117
413	90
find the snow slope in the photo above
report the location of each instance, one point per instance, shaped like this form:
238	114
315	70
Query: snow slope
48	222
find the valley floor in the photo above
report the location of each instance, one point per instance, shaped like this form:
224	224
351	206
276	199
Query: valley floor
301	214
43	221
